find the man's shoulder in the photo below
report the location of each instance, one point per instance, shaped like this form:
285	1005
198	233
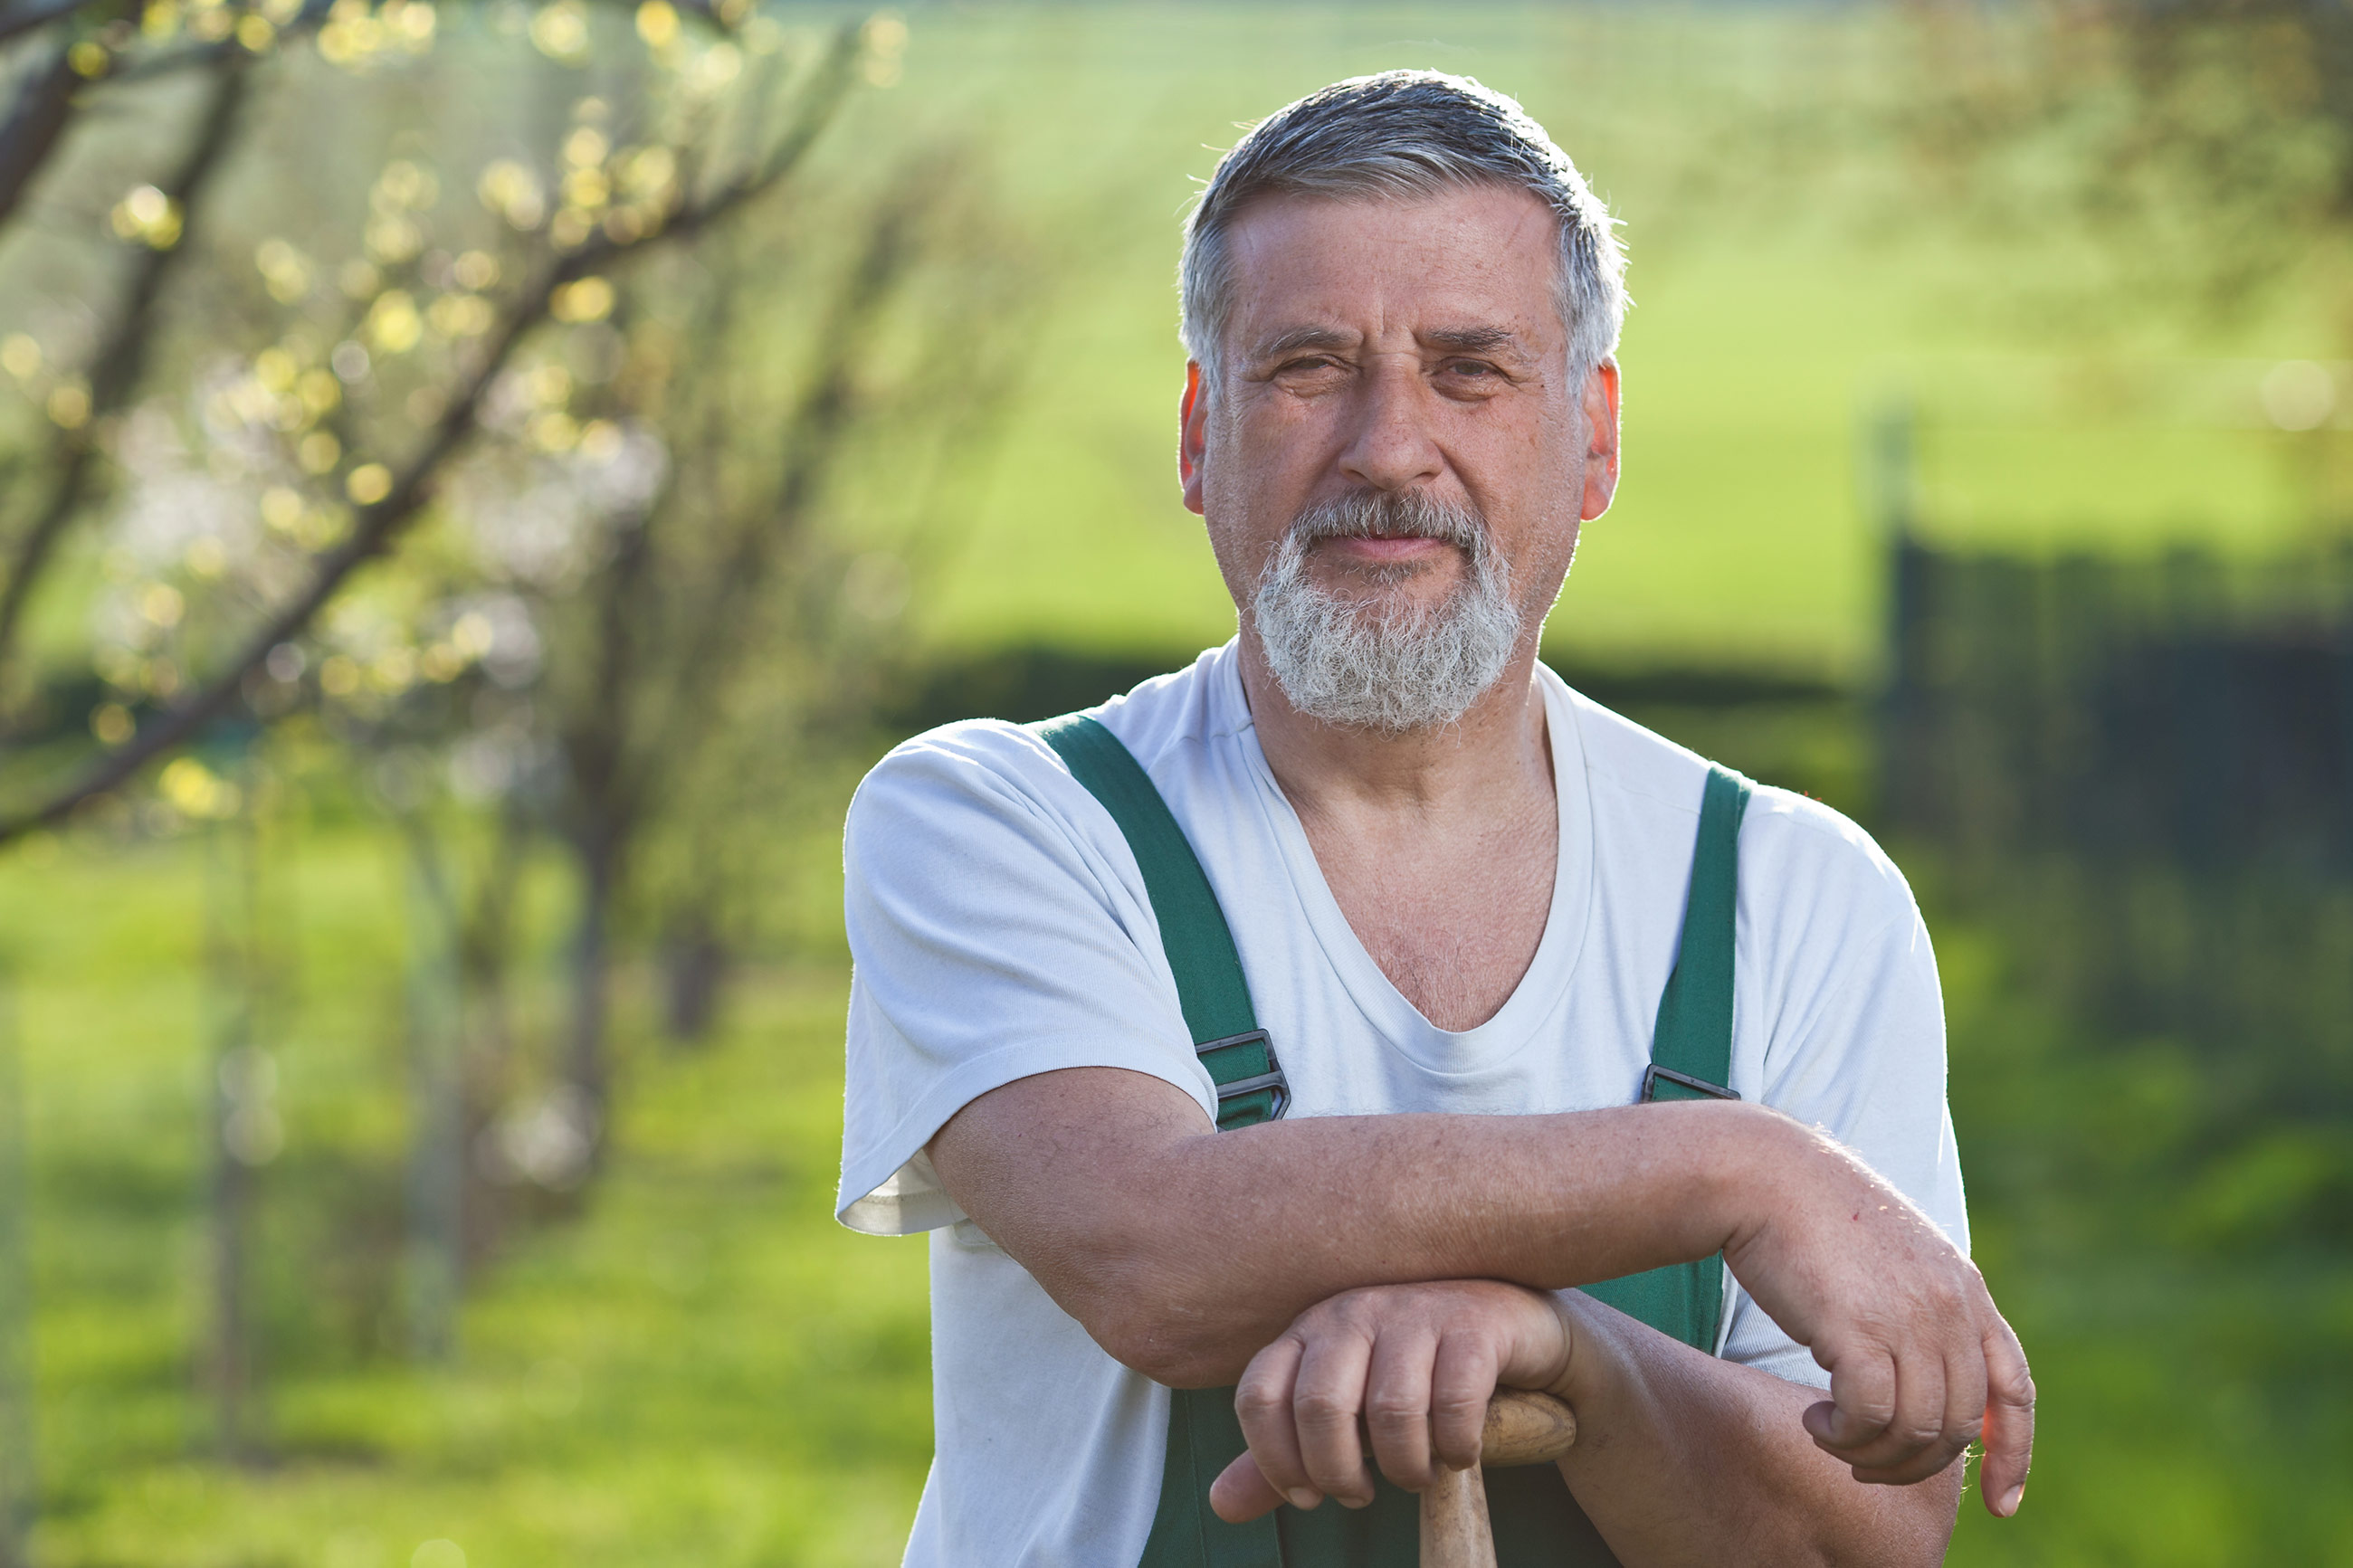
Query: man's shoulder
1197	704
999	758
1790	843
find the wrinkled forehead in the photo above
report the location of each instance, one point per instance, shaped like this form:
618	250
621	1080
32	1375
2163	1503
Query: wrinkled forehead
1471	258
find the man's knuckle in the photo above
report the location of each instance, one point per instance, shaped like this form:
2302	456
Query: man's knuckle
1257	1415
1252	1401
1875	1402
1323	1411
1333	1477
1873	1328
1904	1432
1446	1406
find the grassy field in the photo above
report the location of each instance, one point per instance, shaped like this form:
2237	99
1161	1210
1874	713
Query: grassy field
703	1370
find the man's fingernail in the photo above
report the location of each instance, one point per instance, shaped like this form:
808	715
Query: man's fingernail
2011	1499
1304	1498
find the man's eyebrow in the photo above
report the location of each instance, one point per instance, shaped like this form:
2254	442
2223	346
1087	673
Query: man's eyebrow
1299	338
1472	339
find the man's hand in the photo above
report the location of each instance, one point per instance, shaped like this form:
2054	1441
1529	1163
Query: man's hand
1921	1363
1415	1363
1680	1457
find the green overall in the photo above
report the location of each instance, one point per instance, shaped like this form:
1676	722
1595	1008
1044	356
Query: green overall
1537	1522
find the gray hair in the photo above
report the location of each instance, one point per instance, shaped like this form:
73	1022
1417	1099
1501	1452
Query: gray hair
1406	134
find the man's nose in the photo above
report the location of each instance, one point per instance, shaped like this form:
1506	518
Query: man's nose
1391	446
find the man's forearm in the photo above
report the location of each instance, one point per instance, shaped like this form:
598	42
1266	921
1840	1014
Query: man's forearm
1682	1457
1183	1250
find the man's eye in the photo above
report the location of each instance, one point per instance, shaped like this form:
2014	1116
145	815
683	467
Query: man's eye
1470	368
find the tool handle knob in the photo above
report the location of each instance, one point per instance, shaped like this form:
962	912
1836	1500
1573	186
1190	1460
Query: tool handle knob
1524	1427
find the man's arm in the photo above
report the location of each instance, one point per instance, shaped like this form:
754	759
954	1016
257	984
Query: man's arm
1183	1251
1680	1457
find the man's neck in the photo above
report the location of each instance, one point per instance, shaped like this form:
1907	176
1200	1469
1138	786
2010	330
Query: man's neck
1440	847
1497	756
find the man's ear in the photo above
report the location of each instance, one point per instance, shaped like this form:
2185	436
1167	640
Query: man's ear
1192	434
1600	406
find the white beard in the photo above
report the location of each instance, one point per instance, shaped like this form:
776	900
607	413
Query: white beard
1383	667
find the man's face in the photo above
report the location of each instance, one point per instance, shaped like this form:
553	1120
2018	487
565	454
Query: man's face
1394	347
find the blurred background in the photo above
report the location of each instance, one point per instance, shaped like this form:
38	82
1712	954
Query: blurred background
479	482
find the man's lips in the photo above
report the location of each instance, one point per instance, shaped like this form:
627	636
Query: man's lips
1385	551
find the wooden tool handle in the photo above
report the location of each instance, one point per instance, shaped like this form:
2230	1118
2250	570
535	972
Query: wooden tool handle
1454	1529
1523	1428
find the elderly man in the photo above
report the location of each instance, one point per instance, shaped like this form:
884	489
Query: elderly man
1552	1057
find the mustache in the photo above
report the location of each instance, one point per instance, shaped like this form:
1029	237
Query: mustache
1391	514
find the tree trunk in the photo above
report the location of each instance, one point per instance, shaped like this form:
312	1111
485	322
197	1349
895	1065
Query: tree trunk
244	1131
588	1066
436	1159
694	966
229	1365
17	1479
486	1025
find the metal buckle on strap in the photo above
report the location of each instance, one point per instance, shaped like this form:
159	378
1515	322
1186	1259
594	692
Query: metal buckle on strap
1654	1073
1272	1079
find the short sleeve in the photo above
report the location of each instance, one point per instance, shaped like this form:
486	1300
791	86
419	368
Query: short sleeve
999	929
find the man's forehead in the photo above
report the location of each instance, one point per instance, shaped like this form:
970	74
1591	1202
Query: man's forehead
1471	269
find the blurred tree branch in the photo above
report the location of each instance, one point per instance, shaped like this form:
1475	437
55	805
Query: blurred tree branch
36	124
115	374
27	15
662	653
379	524
2207	143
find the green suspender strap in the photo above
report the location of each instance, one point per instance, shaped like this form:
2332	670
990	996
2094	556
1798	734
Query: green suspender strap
1537	1523
1203	1433
1691	1054
1209	984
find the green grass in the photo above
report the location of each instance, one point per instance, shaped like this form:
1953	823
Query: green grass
702	1369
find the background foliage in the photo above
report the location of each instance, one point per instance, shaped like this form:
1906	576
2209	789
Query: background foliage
429	1060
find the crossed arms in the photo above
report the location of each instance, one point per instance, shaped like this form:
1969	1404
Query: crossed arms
1390	1268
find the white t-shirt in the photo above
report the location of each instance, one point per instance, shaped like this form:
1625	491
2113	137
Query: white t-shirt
1001	928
